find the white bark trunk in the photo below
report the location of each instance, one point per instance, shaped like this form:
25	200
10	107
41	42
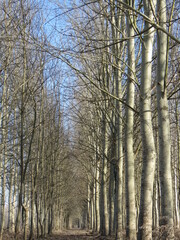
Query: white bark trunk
97	198
129	153
149	154
164	128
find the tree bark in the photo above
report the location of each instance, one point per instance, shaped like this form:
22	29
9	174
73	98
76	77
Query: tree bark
97	195
129	153
149	153
104	208
164	128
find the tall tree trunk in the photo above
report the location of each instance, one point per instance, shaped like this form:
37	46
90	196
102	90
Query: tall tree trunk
111	191
104	225
89	206
149	153
119	177
117	22
129	153
3	197
3	154
92	208
178	158
164	128
33	170
94	202
97	195
13	181
20	197
104	208
10	204
14	195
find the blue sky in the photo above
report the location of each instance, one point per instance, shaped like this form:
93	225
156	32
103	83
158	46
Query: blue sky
56	26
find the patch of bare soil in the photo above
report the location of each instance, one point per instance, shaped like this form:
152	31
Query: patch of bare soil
75	234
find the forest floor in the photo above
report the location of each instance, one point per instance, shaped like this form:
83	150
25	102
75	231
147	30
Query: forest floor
73	234
76	234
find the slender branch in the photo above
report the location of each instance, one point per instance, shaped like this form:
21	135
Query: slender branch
147	19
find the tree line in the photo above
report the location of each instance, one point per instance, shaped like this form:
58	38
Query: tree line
129	99
33	141
109	153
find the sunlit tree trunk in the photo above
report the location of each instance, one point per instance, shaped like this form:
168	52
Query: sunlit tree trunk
97	195
14	193
104	208
3	153
129	153
117	22
10	205
176	193
149	153
164	128
178	158
3	197
156	205
104	225
89	206
13	182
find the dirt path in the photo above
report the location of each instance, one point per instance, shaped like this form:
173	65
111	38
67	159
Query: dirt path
74	234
